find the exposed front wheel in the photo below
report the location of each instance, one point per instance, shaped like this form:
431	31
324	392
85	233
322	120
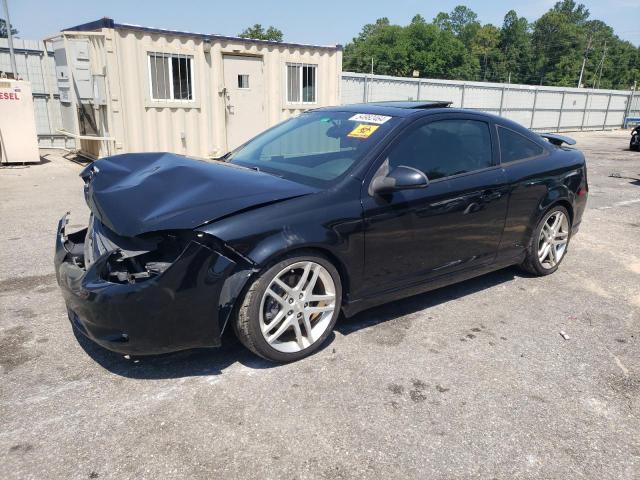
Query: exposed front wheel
549	242
290	309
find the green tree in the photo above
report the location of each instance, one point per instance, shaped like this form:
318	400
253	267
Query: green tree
484	46
438	53
575	13
398	50
464	24
4	33
515	46
565	36
456	45
559	43
257	32
621	66
443	21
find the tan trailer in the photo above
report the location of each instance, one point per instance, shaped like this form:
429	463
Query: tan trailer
126	88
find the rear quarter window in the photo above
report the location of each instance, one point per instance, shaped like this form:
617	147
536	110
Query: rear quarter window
514	147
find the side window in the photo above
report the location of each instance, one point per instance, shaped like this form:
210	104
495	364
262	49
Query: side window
514	146
444	148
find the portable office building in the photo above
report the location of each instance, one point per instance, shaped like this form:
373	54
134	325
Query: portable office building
126	88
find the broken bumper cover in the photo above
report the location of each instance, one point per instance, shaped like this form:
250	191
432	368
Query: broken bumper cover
183	307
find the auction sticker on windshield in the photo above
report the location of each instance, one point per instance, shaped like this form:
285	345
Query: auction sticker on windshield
363	131
370	118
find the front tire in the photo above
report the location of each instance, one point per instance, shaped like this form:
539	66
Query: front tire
291	308
549	242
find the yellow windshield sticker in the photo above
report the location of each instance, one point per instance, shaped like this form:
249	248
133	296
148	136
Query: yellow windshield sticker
363	131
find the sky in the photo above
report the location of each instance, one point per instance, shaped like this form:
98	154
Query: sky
324	22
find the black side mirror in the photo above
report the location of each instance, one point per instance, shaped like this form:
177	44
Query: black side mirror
400	178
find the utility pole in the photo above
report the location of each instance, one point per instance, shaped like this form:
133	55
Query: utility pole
12	54
601	66
584	59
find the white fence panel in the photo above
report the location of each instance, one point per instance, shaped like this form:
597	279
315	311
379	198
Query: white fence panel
536	107
438	91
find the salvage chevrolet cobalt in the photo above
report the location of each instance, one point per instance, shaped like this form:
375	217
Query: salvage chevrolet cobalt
337	210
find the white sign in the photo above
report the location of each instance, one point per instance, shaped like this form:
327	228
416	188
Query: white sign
370	118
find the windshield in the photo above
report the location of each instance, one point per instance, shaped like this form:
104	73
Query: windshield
315	148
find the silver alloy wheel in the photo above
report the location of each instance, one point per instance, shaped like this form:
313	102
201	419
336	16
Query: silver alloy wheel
554	236
297	307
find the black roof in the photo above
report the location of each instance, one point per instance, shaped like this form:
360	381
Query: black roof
107	22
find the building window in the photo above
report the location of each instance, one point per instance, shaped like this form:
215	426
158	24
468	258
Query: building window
243	81
301	83
171	76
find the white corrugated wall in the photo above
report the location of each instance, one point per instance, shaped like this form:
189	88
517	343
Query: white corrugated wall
540	108
197	128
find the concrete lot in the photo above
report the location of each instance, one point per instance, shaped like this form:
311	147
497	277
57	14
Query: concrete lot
470	381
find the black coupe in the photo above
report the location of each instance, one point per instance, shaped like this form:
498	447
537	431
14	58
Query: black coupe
336	210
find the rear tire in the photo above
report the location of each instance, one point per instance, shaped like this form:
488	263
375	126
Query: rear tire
290	308
549	242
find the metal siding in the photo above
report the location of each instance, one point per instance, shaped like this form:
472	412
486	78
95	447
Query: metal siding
152	126
556	108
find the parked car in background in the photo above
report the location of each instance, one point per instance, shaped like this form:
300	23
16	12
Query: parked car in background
337	210
634	143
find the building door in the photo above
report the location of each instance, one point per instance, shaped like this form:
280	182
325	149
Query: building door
244	97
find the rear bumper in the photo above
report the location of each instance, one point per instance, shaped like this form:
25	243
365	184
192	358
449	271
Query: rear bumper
181	308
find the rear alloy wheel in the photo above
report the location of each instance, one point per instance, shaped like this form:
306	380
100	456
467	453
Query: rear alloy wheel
290	309
549	242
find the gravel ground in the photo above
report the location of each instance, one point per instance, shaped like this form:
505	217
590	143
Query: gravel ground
469	381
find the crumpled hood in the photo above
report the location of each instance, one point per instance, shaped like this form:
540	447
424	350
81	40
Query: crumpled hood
145	192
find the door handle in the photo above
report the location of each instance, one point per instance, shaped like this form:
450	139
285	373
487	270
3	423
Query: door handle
490	195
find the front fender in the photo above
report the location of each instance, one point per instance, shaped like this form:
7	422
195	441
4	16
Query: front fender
330	222
293	237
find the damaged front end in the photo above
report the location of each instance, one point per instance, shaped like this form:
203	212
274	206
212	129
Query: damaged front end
153	293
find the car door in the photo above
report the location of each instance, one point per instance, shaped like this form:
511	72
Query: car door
453	224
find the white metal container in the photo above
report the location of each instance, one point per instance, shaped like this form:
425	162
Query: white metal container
18	137
234	87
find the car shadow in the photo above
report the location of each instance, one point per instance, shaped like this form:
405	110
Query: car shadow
186	363
423	301
213	361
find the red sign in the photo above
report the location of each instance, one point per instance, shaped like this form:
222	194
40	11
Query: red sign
9	96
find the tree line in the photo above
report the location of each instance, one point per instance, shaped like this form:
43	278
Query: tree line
455	45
